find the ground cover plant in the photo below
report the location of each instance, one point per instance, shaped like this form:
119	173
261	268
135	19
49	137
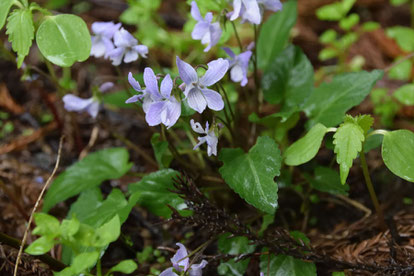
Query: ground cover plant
214	137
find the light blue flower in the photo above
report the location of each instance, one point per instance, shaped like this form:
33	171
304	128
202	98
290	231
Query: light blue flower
239	65
210	137
74	103
251	10
127	48
160	108
102	38
181	263
196	89
209	33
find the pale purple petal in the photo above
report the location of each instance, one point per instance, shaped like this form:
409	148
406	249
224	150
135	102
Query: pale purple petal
153	116
106	29
201	140
214	100
174	111
245	58
98	48
142	50
180	260
236	73
134	83
116	56
237	7
106	86
133	99
151	83
146	102
195	269
186	71
74	103
109	45
216	71
252	12
93	109
196	100
195	11
168	272
251	46
130	56
273	5
209	17
123	38
197	127
166	86
200	30
229	52
215	35
212	142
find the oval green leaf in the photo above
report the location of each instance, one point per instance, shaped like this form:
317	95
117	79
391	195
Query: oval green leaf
398	153
405	94
64	39
5	6
305	148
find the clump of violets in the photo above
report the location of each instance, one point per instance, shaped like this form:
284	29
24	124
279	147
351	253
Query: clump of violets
196	91
160	108
209	33
239	65
181	264
90	105
126	48
251	10
210	137
102	38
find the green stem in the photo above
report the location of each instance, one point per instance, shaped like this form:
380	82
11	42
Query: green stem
18	4
237	36
370	187
98	268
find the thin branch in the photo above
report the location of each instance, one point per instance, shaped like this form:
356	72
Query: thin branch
23	243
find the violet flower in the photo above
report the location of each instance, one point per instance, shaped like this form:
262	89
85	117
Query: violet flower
159	107
209	33
196	92
127	48
102	39
210	138
250	10
181	263
239	65
74	103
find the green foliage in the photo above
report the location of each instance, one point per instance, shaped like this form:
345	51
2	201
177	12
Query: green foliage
327	180
335	11
126	266
348	141
305	148
404	37
384	106
401	71
347	23
281	265
161	151
288	80
405	94
20	30
117	99
331	100
398	153
274	34
251	174
234	245
89	172
154	193
5	6
64	39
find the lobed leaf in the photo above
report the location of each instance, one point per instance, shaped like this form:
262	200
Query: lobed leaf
251	174
5	6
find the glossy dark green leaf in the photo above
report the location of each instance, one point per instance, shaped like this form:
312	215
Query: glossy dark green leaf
327	180
234	246
282	265
64	39
20	30
108	232
154	193
288	80
90	172
5	6
398	153
251	174
331	100
306	147
274	34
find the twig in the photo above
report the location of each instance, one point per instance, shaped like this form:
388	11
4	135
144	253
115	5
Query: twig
92	140
388	68
356	204
36	205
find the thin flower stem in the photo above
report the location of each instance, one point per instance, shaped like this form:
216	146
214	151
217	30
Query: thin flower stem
233	117
371	190
98	268
237	36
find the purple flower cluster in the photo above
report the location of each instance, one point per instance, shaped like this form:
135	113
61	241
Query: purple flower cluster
114	42
251	10
181	263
